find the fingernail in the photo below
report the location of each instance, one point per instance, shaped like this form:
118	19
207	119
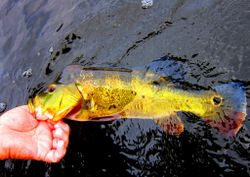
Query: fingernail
59	132
60	143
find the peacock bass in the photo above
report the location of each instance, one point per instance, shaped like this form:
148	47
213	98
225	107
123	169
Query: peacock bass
101	94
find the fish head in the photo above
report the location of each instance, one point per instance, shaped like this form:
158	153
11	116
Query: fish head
227	109
56	102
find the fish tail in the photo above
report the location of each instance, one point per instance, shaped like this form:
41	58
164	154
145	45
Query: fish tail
229	117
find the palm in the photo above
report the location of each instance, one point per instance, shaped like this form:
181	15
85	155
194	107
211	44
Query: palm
33	139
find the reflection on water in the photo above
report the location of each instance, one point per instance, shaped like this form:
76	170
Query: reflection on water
209	38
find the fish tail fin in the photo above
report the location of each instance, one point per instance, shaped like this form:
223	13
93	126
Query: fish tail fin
230	124
229	117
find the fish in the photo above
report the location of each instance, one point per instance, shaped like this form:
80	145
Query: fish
106	94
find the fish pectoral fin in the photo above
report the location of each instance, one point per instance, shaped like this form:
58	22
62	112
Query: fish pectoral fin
170	123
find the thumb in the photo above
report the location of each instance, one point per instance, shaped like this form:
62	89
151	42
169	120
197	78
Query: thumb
19	119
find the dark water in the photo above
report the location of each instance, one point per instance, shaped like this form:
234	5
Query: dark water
208	41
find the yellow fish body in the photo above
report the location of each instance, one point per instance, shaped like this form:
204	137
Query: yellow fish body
99	94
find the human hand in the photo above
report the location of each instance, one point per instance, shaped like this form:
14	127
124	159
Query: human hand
24	137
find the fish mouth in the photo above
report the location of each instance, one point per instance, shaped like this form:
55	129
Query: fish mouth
36	111
230	125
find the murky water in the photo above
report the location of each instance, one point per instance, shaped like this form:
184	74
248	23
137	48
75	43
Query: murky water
208	41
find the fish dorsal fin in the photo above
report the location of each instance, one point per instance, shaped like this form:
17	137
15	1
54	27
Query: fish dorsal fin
171	124
152	78
72	72
69	74
99	68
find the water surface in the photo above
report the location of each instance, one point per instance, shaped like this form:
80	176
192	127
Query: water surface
207	41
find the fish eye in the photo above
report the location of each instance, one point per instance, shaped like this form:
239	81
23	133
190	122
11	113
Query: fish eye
216	100
51	88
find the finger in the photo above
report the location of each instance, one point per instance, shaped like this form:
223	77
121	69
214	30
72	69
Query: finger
19	119
54	143
40	116
55	155
51	125
60	134
24	107
62	125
